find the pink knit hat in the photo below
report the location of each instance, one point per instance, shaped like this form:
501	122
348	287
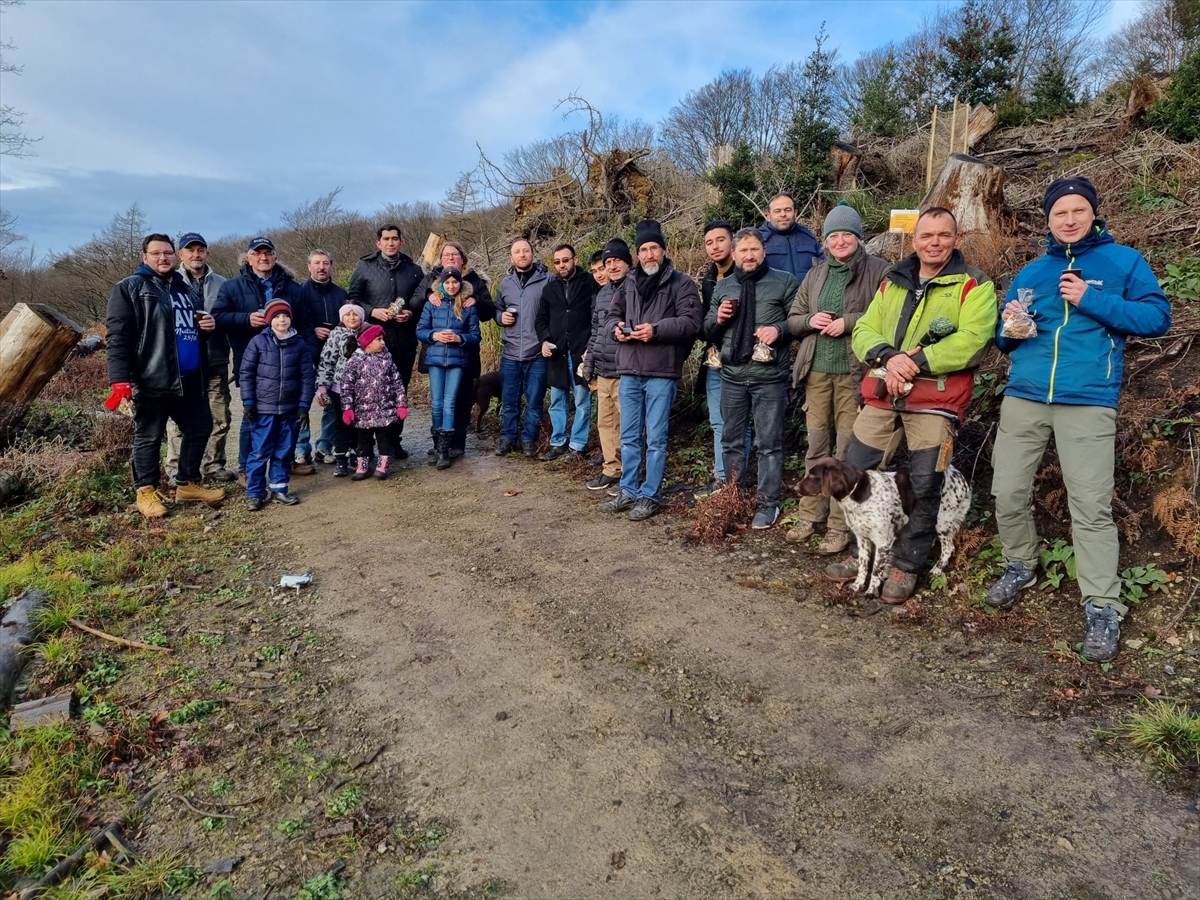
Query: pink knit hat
369	335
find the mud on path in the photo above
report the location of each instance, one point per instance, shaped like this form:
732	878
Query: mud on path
596	709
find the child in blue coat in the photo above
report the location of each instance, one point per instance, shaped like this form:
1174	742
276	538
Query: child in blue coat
276	379
448	323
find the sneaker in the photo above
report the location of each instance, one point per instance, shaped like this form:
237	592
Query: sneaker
1102	640
578	456
221	475
360	472
187	491
800	532
553	453
614	490
341	468
150	502
846	570
300	467
899	585
602	481
254	504
284	497
644	509
834	542
324	456
530	451
764	517
713	487
620	503
505	448
1017	576
596	461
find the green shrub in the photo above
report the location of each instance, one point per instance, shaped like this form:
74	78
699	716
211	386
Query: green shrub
1178	114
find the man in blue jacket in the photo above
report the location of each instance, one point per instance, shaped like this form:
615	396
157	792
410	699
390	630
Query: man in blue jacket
790	246
1085	296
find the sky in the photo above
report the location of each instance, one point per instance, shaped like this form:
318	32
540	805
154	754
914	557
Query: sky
218	115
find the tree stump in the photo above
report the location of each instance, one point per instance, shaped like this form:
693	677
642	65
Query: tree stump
983	119
34	342
974	191
845	166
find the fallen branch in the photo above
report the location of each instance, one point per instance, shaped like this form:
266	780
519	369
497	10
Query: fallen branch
67	866
137	645
203	812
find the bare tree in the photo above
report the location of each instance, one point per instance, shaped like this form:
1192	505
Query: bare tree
88	272
1155	41
709	119
13	141
1062	30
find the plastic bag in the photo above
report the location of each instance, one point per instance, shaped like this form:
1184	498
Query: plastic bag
762	353
712	357
1020	325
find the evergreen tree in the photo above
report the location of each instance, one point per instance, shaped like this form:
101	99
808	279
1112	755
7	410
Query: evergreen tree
1053	90
739	190
802	163
880	103
1179	112
977	62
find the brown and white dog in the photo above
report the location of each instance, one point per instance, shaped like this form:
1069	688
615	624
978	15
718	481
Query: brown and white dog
877	506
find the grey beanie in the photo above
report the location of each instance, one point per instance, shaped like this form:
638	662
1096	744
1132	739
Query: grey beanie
843	218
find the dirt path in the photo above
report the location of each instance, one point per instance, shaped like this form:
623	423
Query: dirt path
597	709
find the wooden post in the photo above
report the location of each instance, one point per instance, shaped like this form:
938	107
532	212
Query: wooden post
932	139
34	342
953	125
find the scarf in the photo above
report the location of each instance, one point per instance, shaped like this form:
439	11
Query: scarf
647	286
743	321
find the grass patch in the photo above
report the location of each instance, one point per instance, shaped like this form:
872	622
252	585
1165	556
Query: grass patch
194	711
1168	733
347	800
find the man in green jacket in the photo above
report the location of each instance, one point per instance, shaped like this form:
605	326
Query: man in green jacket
921	378
748	321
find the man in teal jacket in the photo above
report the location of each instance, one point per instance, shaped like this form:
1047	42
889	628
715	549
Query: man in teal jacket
1085	295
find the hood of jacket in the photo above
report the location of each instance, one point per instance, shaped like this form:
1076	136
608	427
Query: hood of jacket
1098	236
379	259
907	272
279	276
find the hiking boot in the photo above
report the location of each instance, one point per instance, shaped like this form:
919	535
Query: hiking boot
187	491
602	481
713	487
399	452
578	456
596	461
619	503
1017	576
457	452
220	475
614	489
846	570
381	471
1102	640
254	504
150	502
431	453
303	467
899	585
341	467
241	476
361	471
644	509
530	451
834	542
764	517
284	497
505	448
443	448
554	453
800	532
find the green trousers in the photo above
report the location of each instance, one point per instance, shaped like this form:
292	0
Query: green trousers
1085	437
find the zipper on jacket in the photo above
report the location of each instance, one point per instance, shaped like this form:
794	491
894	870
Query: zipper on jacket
1058	331
1112	345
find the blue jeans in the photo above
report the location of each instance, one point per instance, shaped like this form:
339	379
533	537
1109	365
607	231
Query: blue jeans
443	394
558	412
304	447
244	442
645	403
272	439
767	403
712	385
528	379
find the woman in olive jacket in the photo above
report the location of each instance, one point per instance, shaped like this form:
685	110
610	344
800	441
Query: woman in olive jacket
835	292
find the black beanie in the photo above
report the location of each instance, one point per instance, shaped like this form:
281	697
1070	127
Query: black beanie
617	249
649	232
1061	187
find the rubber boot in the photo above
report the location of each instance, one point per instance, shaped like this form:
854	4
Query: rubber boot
381	470
361	472
443	448
432	452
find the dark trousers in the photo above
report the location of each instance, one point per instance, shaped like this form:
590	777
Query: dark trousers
466	400
388	438
343	434
272	446
190	413
403	349
767	402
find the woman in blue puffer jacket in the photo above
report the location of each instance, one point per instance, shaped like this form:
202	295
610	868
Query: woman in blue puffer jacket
446	327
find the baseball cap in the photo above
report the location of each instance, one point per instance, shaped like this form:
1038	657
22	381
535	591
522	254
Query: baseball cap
192	237
260	241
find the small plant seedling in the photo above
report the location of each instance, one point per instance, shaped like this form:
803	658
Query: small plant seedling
220	787
1137	582
345	802
1058	562
325	886
193	712
291	827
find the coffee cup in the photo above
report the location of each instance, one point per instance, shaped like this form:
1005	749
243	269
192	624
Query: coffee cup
512	311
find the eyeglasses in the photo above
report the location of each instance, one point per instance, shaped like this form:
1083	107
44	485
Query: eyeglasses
164	254
559	262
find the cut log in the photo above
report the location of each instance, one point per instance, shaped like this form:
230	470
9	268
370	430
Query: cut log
974	191
46	711
432	253
983	119
845	166
34	342
18	630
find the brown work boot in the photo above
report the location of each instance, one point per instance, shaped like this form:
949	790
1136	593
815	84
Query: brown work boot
846	570
834	542
302	467
800	532
899	585
150	502
187	492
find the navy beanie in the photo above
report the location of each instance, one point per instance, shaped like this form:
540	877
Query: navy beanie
1061	187
649	232
617	249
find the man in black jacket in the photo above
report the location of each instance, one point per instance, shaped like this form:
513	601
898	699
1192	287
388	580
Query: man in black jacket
317	315
156	362
384	283
564	326
655	317
239	312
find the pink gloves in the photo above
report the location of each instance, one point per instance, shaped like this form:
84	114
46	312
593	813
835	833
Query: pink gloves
348	417
402	413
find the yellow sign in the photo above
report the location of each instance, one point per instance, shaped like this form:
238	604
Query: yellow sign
903	221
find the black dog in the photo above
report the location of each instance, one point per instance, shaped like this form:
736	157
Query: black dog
487	388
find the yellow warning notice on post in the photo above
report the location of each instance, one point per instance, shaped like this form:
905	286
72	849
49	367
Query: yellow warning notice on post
903	221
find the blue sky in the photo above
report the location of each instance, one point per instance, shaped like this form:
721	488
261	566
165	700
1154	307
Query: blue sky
216	115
